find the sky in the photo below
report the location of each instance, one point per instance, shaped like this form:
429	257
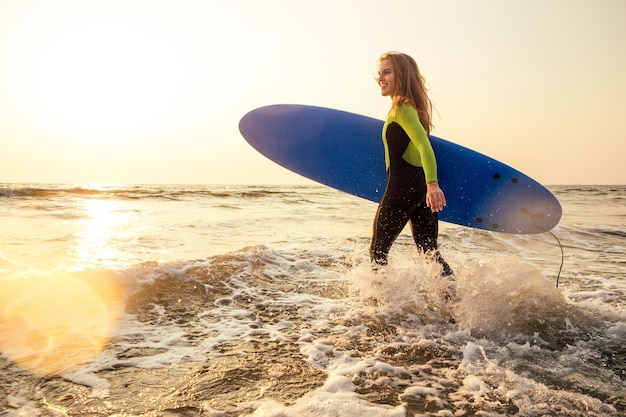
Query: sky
152	91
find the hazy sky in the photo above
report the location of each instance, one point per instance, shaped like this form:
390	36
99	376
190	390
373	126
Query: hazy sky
152	91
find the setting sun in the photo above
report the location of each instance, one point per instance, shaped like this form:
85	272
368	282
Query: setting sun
103	80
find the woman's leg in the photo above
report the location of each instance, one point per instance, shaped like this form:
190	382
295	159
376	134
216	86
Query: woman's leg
425	229
390	219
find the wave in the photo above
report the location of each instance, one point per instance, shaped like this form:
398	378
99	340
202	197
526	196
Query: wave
589	190
174	191
168	192
271	332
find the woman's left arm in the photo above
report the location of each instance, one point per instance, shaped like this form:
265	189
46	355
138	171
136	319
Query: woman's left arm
422	150
409	120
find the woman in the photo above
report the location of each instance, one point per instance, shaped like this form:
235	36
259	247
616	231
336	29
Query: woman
412	193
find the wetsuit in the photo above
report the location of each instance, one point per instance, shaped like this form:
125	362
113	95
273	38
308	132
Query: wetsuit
411	163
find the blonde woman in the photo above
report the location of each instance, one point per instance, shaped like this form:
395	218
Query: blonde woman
412	193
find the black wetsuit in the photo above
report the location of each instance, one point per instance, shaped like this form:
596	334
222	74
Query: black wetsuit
404	201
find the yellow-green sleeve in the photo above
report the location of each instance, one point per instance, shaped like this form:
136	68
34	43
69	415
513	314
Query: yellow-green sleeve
420	151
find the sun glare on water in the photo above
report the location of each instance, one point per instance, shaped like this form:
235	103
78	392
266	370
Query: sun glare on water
98	241
55	320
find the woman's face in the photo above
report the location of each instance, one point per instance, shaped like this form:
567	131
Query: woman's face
387	78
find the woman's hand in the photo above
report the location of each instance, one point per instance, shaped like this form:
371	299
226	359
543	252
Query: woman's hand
435	199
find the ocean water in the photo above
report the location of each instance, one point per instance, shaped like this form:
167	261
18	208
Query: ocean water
260	301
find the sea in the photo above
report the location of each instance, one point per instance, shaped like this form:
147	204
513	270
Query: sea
246	300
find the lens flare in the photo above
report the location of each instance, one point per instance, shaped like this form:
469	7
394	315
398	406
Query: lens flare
52	324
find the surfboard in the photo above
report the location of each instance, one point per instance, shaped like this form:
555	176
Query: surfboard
344	150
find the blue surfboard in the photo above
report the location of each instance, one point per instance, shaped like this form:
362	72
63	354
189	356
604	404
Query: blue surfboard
344	150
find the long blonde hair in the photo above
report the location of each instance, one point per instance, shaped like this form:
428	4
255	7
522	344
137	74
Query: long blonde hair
410	86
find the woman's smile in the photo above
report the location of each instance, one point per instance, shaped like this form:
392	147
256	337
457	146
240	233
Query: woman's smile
387	78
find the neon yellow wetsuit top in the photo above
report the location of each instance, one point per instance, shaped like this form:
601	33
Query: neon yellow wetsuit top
419	152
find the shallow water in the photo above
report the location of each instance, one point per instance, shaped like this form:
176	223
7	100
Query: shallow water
259	301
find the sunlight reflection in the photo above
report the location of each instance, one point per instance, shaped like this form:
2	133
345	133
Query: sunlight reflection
50	324
98	241
54	322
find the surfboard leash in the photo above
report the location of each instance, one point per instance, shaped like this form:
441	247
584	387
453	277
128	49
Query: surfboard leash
532	218
562	257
